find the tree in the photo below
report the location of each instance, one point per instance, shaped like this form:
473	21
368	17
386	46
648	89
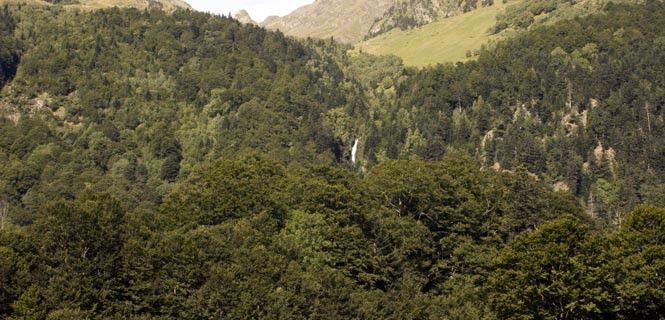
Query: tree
4	214
228	190
552	273
638	262
77	262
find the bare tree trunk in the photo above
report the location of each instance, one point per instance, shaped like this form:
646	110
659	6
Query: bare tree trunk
4	212
646	108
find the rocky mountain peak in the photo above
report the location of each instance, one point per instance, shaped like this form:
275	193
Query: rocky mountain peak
244	17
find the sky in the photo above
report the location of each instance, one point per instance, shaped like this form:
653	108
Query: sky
258	9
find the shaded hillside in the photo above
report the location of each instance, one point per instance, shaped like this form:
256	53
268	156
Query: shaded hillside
9	47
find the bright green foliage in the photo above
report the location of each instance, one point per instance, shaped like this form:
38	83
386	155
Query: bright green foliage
443	40
525	14
410	14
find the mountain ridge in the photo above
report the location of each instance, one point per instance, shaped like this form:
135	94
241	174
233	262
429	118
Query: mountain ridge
407	14
452	39
345	20
352	21
166	5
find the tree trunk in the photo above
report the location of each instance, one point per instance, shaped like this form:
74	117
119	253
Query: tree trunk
646	108
4	212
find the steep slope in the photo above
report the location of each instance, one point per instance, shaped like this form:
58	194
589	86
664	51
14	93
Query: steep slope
187	166
407	14
158	92
166	5
346	20
524	14
578	103
445	40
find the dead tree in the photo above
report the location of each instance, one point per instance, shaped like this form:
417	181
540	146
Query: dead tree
4	212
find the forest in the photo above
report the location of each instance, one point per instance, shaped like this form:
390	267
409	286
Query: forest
188	166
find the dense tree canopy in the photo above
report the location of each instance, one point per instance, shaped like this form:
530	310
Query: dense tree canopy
187	166
253	238
578	103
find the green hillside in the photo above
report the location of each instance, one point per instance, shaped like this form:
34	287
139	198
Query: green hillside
184	165
446	40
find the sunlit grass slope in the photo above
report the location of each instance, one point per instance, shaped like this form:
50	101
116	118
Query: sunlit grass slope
445	40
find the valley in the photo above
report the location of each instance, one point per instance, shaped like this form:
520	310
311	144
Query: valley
505	162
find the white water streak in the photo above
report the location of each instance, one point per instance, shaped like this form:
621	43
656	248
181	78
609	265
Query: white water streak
354	151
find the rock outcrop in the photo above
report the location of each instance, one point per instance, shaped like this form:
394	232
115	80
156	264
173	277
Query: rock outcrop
408	14
244	17
346	21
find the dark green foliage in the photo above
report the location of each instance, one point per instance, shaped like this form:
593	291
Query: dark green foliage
639	261
578	103
227	191
564	270
72	246
109	93
551	273
9	47
227	151
251	237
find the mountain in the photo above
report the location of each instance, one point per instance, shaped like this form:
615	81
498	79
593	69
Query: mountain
189	166
408	14
346	20
522	15
244	17
440	34
350	21
579	91
451	39
237	87
166	5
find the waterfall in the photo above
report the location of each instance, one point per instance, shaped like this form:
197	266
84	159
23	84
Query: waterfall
354	150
